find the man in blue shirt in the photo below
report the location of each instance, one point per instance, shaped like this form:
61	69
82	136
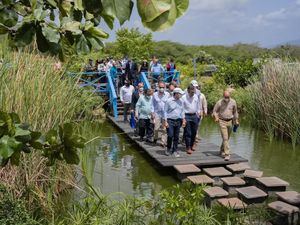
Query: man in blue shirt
192	109
156	70
158	104
143	113
174	118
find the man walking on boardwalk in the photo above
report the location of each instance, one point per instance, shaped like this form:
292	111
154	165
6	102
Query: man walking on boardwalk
226	114
125	96
143	113
174	118
192	109
157	108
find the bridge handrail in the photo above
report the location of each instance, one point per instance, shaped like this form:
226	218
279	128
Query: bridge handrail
175	75
144	79
112	94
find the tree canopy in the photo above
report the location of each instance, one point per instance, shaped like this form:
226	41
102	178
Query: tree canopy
68	26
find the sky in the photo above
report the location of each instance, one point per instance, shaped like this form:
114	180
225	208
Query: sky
226	22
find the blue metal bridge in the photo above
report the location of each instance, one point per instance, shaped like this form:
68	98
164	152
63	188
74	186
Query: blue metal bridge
106	84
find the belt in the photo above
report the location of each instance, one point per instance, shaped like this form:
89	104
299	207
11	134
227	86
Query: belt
190	114
227	120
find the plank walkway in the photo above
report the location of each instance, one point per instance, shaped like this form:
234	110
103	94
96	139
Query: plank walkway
206	155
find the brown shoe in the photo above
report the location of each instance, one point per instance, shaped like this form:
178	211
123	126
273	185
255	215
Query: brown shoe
222	154
227	158
194	147
189	151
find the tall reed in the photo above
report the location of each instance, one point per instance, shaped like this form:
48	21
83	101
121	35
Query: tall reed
274	102
43	97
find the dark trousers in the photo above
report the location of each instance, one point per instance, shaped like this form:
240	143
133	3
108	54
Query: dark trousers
173	134
190	130
146	128
126	109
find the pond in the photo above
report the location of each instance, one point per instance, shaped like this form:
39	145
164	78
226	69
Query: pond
113	164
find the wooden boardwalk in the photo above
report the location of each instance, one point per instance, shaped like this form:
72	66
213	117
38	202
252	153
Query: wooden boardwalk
206	155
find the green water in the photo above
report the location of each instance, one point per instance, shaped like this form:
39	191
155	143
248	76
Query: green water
113	164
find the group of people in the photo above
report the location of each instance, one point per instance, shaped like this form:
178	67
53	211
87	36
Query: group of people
161	113
129	69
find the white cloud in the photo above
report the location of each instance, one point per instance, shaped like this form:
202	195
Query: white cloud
269	18
215	5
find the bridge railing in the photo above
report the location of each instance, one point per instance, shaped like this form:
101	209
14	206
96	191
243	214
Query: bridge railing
144	79
166	76
112	94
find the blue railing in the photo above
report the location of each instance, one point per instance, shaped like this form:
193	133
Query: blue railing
166	76
112	94
102	83
144	79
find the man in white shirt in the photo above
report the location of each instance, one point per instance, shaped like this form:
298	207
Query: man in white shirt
157	108
192	109
125	96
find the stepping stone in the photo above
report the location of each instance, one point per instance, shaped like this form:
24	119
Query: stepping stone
271	184
251	175
231	183
285	213
290	197
233	203
251	195
238	167
213	193
217	172
183	171
201	179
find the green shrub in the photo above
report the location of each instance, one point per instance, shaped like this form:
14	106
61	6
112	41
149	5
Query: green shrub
14	211
237	73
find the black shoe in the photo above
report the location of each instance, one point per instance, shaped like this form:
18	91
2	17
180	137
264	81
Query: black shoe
141	139
154	141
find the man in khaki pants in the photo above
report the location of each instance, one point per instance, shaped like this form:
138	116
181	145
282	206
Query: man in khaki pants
226	114
157	108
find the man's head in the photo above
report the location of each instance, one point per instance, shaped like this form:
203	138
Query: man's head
178	93
127	83
226	96
195	83
161	86
191	90
148	93
140	87
172	86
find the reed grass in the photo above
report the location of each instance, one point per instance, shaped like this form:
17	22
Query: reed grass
45	98
274	102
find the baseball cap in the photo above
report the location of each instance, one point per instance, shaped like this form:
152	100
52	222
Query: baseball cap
194	83
178	90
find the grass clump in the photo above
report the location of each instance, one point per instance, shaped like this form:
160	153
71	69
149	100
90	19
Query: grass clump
274	102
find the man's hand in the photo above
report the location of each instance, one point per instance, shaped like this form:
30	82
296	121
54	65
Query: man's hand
183	123
136	116
166	124
131	110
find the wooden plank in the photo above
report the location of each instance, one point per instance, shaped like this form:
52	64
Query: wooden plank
207	154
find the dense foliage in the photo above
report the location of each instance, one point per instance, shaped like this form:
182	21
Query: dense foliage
70	26
134	44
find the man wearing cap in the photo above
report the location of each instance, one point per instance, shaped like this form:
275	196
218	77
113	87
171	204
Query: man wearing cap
158	104
192	109
226	114
174	118
125	96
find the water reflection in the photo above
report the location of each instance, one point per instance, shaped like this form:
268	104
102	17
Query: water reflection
113	164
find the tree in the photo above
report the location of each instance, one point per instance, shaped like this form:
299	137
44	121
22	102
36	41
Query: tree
70	26
134	44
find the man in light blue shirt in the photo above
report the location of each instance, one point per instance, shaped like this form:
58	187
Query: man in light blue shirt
174	118
192	109
158	105
143	113
156	70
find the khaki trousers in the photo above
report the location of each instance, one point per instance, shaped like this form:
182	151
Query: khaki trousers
158	127
225	128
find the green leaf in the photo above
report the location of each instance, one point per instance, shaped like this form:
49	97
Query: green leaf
42	42
41	14
15	158
97	32
78	5
8	17
95	42
51	34
51	137
164	21
71	156
3	29
67	6
22	135
82	45
182	6
15	117
8	145
52	3
24	35
72	26
151	9
109	20
120	9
